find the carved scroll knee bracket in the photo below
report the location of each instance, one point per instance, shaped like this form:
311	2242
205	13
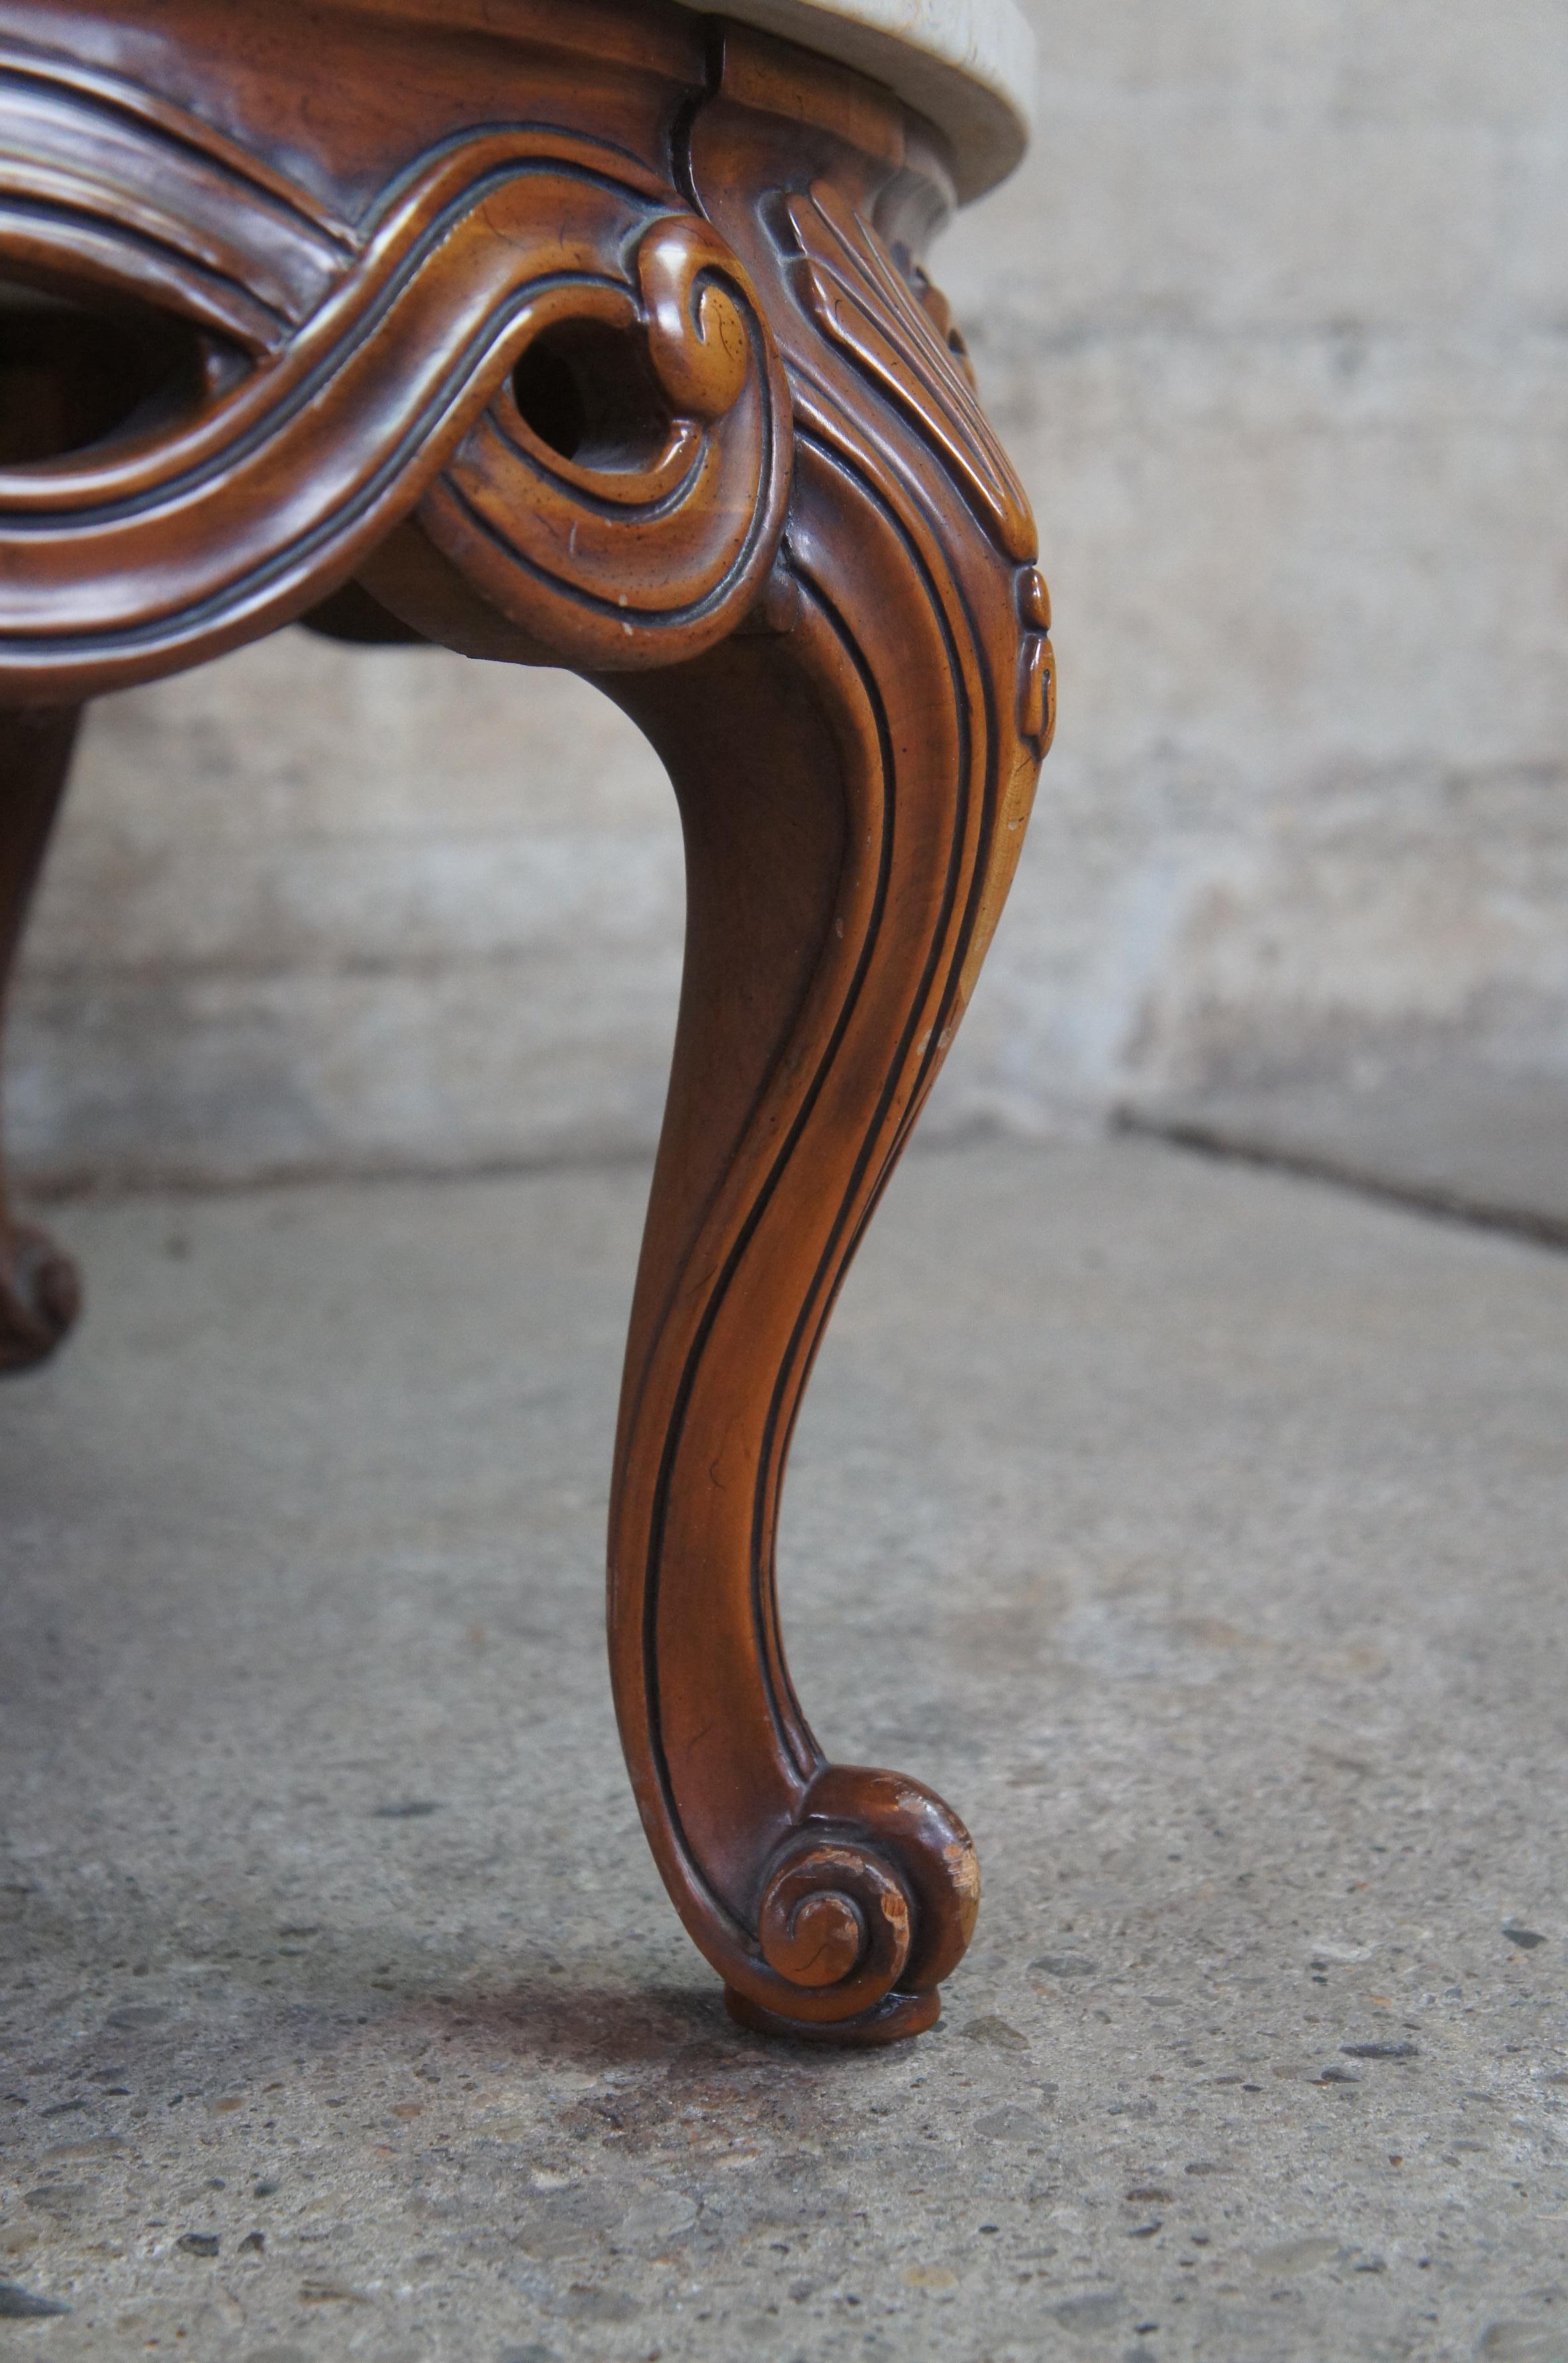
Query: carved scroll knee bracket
687	417
528	334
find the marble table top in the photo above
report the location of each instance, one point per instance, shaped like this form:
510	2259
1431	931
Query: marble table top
968	65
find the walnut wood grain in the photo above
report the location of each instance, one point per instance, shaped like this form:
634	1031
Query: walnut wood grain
599	337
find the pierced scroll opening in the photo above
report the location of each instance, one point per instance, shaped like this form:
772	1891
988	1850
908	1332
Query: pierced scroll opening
76	372
587	391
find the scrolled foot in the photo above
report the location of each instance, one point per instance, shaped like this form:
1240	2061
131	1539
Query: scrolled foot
40	1296
863	1911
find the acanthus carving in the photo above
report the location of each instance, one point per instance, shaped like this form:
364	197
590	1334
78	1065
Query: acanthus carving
352	371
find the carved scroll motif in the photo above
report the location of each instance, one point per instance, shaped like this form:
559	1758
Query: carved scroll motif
351	371
613	554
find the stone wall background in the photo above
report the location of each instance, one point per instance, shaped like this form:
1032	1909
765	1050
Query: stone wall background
1276	322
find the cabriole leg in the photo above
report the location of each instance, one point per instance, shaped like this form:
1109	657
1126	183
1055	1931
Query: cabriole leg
855	770
853	792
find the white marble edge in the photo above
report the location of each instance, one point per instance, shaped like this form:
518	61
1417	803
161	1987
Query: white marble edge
970	65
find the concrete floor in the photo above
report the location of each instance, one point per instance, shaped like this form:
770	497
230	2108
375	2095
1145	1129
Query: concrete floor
1492	1146
1199	1531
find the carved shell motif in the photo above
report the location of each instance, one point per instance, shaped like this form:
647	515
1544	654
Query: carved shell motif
859	298
901	338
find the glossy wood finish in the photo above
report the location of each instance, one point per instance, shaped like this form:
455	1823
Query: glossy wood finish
598	336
